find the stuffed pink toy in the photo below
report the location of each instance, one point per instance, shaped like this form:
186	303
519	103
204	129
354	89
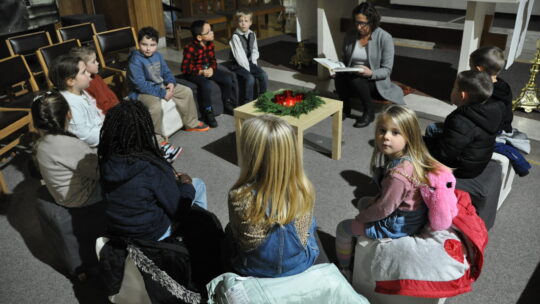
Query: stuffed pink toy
440	198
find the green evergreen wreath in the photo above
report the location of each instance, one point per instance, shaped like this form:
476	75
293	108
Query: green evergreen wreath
265	103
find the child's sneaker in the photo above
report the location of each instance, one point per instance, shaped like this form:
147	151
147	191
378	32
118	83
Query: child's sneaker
170	152
201	127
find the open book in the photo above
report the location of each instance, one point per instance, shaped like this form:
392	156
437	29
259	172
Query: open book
335	66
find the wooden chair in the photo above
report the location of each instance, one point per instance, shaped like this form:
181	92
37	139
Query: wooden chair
84	32
15	107
110	44
27	45
47	54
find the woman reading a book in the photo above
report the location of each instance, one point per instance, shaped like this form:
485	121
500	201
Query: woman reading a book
371	49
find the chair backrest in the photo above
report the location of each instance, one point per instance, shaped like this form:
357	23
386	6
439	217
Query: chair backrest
15	71
110	44
84	32
27	45
47	54
116	40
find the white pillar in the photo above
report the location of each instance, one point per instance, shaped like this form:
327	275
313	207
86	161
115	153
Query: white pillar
472	30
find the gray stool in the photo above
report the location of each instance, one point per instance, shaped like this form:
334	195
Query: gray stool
484	190
72	231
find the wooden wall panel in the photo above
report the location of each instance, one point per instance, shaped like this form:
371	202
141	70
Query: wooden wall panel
70	7
136	13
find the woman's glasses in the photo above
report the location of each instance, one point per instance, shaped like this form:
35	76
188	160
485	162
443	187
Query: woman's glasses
360	23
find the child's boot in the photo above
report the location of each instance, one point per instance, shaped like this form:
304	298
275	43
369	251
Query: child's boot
209	118
229	107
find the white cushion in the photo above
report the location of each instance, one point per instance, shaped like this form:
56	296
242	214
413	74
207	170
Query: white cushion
507	175
364	283
172	121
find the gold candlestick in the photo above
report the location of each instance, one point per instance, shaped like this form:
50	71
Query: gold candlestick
527	99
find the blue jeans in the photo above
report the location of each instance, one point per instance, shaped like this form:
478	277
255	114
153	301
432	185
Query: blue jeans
200	193
398	224
199	200
434	129
224	81
248	77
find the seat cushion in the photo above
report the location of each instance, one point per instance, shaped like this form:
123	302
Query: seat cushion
484	191
24	102
72	231
17	72
9	117
217	103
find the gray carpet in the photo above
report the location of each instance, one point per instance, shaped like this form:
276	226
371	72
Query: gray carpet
29	273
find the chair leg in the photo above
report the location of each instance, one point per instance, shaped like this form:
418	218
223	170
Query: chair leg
3	186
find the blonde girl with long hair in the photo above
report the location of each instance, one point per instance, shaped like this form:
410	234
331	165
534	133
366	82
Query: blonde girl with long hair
399	164
272	227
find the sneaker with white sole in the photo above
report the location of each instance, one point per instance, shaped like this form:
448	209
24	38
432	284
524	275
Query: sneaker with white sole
170	152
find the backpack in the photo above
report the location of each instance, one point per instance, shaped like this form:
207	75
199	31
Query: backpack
440	198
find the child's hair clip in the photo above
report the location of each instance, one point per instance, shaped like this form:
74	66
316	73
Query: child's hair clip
42	95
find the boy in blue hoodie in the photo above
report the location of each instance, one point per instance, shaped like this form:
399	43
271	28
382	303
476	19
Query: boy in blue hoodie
150	80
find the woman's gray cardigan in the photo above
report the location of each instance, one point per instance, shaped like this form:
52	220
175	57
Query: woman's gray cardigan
380	51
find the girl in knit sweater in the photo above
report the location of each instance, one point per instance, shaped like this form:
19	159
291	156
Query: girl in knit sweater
68	165
272	227
399	164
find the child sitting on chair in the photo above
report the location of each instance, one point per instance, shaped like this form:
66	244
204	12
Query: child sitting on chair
67	164
105	97
490	59
272	226
150	80
199	65
144	193
467	138
244	55
69	75
399	164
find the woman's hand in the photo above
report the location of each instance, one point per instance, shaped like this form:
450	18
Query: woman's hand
183	178
366	72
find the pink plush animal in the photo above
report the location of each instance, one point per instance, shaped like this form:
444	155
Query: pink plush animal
440	198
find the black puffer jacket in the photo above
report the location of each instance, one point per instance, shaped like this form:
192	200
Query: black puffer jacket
503	93
468	138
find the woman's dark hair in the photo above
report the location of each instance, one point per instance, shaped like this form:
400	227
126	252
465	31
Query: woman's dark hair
128	131
63	68
367	9
148	32
49	113
197	27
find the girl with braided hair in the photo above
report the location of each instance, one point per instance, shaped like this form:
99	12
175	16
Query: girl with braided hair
144	194
68	165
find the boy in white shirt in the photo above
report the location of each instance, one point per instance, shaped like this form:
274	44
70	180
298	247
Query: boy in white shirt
244	55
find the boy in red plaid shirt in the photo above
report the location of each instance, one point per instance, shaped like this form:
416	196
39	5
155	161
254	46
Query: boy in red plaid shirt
200	67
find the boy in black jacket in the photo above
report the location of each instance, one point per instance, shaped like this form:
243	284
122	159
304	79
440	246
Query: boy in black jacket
490	59
467	138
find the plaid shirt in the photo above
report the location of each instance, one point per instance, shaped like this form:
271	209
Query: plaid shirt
198	57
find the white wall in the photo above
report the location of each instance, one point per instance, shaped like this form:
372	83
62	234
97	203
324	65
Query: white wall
461	4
